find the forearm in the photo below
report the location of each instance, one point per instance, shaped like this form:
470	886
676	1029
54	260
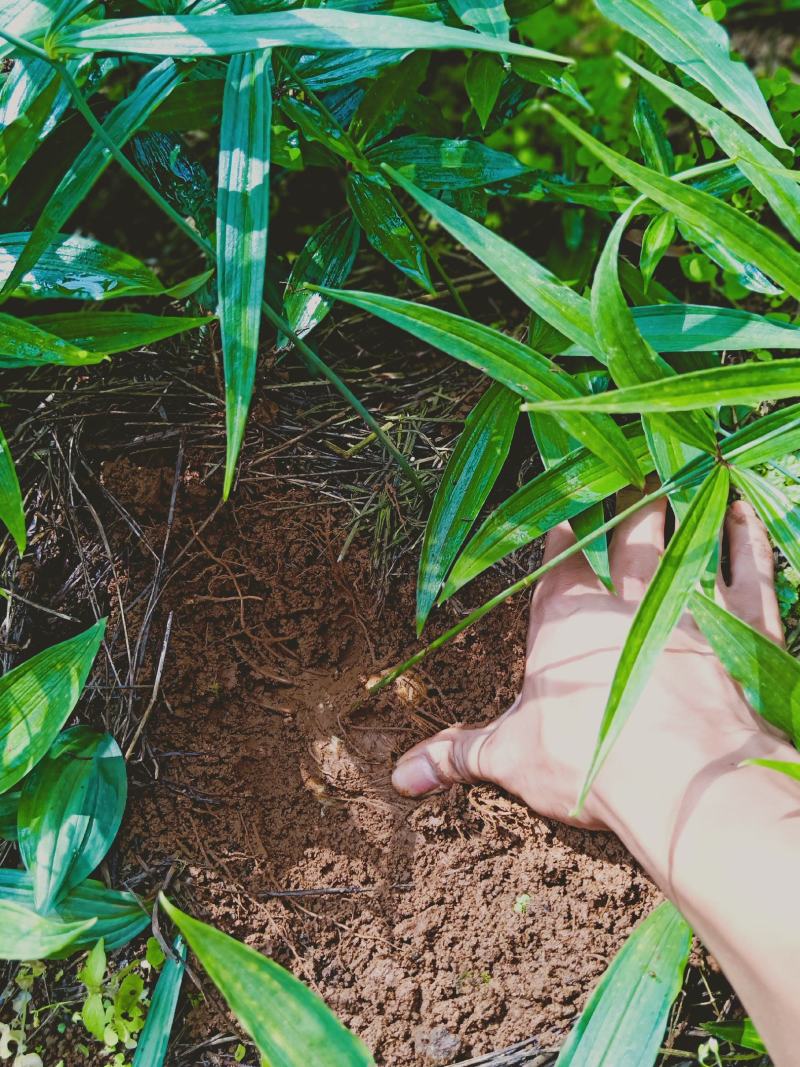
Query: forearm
723	842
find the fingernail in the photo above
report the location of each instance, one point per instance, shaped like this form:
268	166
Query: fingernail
415	776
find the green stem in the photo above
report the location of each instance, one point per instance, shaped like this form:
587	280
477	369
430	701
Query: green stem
526	582
310	357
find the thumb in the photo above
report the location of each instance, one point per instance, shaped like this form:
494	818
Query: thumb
457	754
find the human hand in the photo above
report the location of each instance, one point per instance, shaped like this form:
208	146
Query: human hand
690	716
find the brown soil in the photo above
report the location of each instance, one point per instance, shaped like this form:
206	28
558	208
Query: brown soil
263	793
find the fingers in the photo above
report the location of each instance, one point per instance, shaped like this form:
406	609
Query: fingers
637	545
572	574
454	755
751	593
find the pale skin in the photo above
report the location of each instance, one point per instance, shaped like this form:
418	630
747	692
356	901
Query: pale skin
722	841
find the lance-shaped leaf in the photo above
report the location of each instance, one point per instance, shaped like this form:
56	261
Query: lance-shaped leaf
563	491
9	803
20	139
653	141
631	360
24	344
80	268
742	1033
101	333
23	18
242	221
487	16
483	80
118	917
502	358
326	259
740	383
37	698
787	767
769	676
12	512
656	240
680	569
746	238
470	473
72	806
699	328
290	1025
320	29
536	286
91	162
26	935
746	274
436	163
769	437
628	1011
387	230
554	443
151	1048
779	513
752	159
387	99
699	46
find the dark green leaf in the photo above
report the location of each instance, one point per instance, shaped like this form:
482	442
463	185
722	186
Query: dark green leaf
746	238
743	1033
327	259
37	698
699	46
502	358
657	238
387	99
192	105
23	344
242	221
9	802
471	472
20	139
105	332
487	16
315	126
90	163
387	230
24	935
769	437
628	1011
151	1048
440	163
542	72
779	513
665	600
745	273
289	1024
656	149
72	806
483	79
769	677
567	489
12	512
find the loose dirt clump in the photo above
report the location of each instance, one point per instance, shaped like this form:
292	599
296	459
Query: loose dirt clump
437	930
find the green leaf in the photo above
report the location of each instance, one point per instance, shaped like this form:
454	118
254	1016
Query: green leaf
93	971
72	806
102	333
289	1024
471	471
25	17
502	358
242	221
752	159
768	437
192	105
151	1048
656	149
24	935
745	273
387	99
9	803
309	29
559	79
697	328
791	770
483	79
699	46
20	139
628	1011
746	238
12	512
387	230
536	286
779	513
740	383
563	491
315	126
665	600
24	344
630	359
742	1033
91	162
487	16
440	163
769	676
657	238
37	698
118	917
326	259
77	268
93	1015
554	445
